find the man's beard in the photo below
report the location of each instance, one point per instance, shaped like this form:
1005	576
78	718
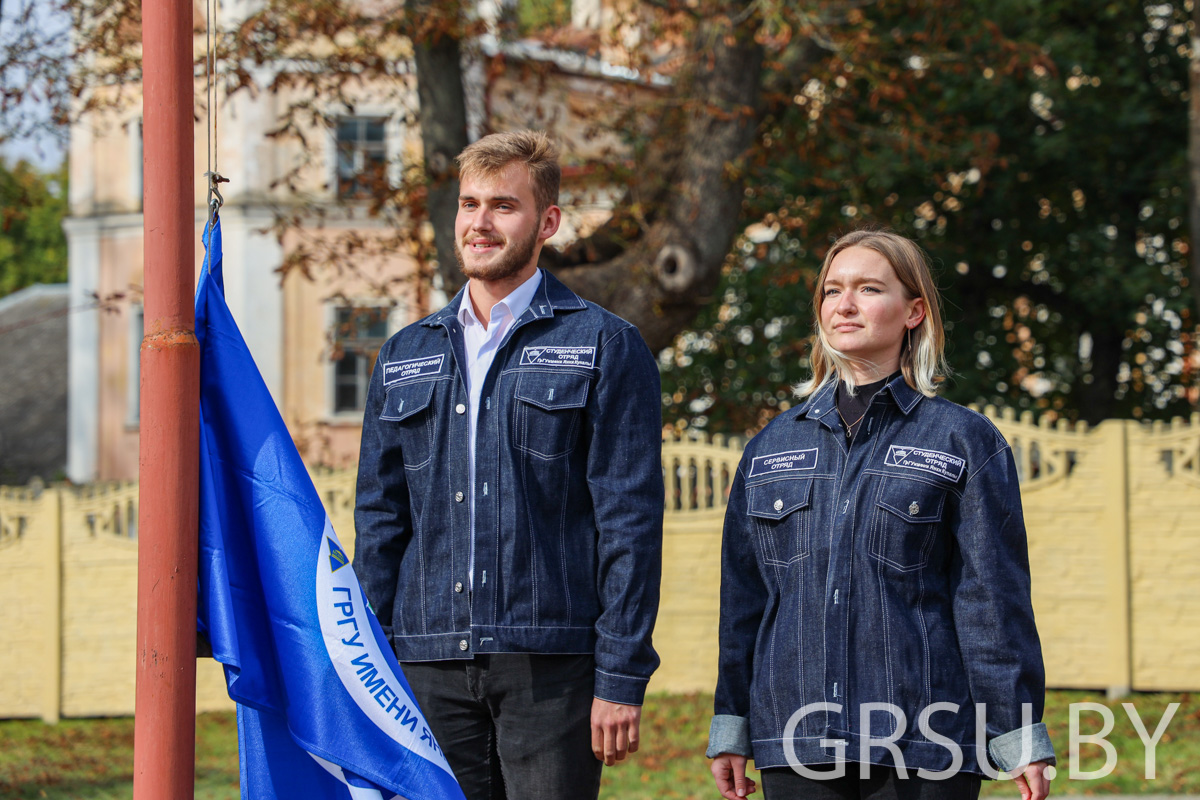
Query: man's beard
515	257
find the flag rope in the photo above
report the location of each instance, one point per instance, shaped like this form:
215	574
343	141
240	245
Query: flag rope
212	131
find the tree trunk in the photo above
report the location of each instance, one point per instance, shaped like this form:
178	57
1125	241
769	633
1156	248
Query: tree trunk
1194	163
443	127
662	281
660	277
1098	399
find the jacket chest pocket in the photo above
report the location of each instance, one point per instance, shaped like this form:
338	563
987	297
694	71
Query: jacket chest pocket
407	410
549	411
781	518
905	524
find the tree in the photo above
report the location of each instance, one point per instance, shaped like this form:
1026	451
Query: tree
659	256
1194	159
1059	229
33	248
801	119
32	69
688	152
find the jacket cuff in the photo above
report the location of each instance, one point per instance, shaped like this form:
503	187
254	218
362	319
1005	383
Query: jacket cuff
1006	749
625	689
728	734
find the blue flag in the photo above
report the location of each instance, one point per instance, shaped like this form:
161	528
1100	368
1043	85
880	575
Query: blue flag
323	708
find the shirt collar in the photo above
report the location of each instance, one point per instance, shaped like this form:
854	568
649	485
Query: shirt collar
514	303
550	297
822	401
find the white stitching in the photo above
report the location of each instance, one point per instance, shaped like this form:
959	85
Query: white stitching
562	540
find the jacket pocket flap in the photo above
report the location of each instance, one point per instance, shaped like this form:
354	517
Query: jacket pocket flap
777	499
915	501
405	399
553	390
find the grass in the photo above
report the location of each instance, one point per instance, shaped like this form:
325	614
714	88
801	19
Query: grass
92	759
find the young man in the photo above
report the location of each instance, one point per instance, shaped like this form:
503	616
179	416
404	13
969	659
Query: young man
510	496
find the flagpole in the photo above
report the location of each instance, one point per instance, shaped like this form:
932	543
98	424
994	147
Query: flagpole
165	715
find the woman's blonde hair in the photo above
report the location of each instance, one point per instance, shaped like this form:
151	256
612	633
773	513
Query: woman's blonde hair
922	354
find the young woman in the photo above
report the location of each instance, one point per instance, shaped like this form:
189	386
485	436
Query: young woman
874	579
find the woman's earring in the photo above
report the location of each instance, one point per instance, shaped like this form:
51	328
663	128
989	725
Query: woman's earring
909	340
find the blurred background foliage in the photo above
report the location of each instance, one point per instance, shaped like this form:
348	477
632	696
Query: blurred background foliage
33	248
1037	149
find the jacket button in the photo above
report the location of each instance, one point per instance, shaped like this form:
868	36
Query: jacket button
914	509
462	644
458	497
458	586
460	409
779	505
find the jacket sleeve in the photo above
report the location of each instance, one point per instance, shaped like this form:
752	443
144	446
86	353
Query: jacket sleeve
382	521
743	602
624	476
993	613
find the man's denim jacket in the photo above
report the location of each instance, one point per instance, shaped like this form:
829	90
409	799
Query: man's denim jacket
568	494
891	571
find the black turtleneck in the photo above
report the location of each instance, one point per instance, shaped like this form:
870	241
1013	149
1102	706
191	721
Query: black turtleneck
853	409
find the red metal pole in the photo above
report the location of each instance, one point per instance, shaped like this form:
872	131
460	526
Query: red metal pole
165	724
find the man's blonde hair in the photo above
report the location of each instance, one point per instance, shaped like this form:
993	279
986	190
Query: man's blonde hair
489	156
922	354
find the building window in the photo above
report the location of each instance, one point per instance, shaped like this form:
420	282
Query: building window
361	156
136	155
133	386
358	333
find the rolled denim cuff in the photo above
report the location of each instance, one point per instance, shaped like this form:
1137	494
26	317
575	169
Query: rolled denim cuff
1006	749
728	734
628	690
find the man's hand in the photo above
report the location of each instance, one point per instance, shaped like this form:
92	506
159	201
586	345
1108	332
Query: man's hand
614	730
1032	781
729	771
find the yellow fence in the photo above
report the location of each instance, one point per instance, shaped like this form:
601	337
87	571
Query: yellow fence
1114	536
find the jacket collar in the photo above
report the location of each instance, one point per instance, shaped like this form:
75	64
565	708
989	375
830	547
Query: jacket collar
822	401
551	296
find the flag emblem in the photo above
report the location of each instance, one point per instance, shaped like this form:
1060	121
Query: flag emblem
337	558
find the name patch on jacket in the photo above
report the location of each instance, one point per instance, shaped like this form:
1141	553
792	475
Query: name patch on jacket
559	357
934	462
394	371
789	461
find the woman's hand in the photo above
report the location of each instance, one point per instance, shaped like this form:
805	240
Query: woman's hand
729	771
1032	781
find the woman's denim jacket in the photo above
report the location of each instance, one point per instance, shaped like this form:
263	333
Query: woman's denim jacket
892	571
568	494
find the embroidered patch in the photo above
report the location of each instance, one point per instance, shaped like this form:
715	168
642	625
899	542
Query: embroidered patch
790	461
396	371
559	356
934	462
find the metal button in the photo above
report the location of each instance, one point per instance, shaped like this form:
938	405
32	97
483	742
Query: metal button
914	509
458	497
779	505
462	644
460	409
458	586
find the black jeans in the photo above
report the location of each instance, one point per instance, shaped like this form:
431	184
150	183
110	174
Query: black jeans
883	783
513	725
